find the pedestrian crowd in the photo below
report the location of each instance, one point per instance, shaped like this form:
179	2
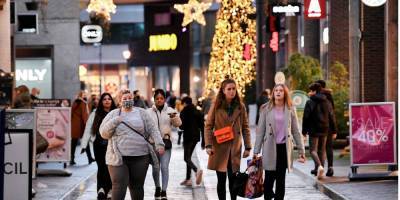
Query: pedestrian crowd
128	135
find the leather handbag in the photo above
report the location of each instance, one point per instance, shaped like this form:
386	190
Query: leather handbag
167	143
224	134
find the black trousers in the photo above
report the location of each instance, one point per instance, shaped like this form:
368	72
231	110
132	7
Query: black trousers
329	150
74	143
188	149
103	176
221	185
278	175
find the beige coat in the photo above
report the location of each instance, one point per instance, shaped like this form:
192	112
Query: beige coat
266	139
218	118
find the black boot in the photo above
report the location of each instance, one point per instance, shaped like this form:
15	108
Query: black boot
164	195
329	172
157	194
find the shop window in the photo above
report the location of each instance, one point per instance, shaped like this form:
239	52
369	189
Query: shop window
27	23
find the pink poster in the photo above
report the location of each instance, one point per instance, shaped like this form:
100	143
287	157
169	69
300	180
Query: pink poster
54	124
373	133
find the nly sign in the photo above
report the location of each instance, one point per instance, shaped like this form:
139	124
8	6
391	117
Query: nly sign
163	42
91	33
314	9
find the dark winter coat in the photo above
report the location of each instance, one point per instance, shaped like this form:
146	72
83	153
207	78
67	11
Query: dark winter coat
318	118
328	93
192	124
79	116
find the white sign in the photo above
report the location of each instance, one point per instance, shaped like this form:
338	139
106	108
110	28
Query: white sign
91	33
35	73
374	3
286	9
17	176
315	9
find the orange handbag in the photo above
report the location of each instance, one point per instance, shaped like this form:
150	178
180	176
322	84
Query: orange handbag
224	134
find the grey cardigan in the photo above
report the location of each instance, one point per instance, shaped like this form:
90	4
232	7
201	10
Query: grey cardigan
265	136
107	130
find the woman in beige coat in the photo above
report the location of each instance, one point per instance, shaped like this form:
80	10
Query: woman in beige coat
277	127
225	157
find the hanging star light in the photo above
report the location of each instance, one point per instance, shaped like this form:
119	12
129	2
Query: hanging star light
102	7
193	10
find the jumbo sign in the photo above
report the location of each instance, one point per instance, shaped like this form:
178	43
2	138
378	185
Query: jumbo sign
163	42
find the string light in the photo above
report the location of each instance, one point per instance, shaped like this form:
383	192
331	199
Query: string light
233	32
193	10
102	7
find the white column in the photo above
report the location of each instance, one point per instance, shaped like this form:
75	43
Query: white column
5	38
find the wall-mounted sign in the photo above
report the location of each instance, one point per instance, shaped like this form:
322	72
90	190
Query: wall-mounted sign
91	33
163	42
374	3
314	9
274	42
288	10
35	73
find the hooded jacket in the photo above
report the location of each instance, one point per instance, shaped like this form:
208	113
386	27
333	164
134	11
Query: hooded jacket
318	118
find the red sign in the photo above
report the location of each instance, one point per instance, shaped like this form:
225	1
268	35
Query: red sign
274	42
373	133
247	52
314	9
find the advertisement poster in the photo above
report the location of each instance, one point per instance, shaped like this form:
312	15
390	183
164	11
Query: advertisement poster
51	103
54	124
373	133
17	165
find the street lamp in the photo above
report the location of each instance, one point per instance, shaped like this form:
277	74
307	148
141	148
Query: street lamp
126	54
98	44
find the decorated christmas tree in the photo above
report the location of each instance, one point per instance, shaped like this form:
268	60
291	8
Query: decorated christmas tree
233	48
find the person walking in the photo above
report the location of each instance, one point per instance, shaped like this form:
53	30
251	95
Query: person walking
192	125
277	126
79	116
224	158
332	129
165	119
262	99
129	150
317	118
92	134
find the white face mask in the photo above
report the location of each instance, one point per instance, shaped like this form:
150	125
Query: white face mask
127	104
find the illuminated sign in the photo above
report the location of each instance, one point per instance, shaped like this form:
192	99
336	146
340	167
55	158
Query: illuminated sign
273	43
163	42
374	3
314	9
289	10
91	34
30	74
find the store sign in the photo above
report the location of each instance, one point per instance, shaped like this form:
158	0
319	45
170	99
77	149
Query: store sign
374	3
163	42
314	9
18	164
274	42
289	10
373	133
91	33
35	73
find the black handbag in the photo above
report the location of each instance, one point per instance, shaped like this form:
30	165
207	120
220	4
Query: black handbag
239	185
167	143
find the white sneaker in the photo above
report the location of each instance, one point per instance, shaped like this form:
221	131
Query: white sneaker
109	194
320	172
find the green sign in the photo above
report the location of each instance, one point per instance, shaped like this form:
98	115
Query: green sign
299	98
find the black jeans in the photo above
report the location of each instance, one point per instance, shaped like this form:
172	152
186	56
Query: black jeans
278	175
103	176
131	173
188	149
74	143
221	185
329	150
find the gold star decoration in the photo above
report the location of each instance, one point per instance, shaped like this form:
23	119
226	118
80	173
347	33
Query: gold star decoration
193	10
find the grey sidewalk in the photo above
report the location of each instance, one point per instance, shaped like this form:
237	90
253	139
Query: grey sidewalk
340	187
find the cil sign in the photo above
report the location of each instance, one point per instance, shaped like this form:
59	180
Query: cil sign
314	9
164	42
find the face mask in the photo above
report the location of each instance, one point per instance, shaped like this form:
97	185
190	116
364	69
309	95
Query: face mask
127	104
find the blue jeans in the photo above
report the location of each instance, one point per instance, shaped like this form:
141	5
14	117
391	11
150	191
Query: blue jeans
164	162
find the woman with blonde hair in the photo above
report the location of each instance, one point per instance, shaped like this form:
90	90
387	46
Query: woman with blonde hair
277	127
224	158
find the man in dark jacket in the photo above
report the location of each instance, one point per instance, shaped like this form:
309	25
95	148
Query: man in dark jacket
193	127
332	128
317	119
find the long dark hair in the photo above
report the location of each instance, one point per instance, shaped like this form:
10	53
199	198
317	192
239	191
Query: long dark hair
101	113
221	96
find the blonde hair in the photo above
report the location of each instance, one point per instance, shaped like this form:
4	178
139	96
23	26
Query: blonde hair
286	96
